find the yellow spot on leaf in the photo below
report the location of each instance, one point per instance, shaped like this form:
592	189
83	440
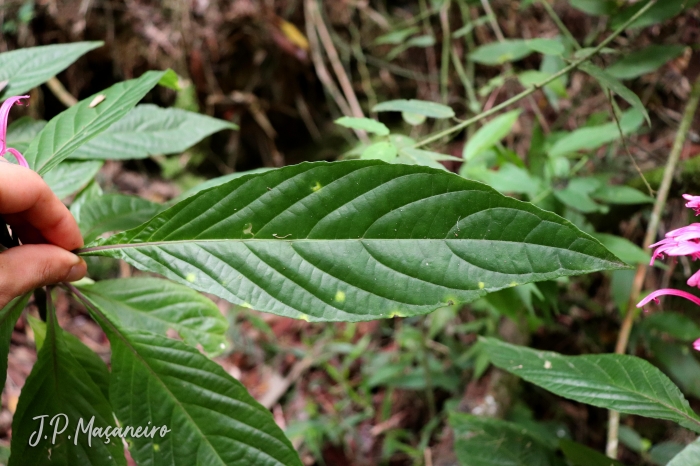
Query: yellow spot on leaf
156	447
97	100
547	365
340	296
304	317
248	229
513	284
316	187
247	305
482	285
191	277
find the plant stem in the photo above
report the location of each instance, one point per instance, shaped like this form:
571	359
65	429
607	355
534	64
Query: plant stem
445	59
562	27
531	90
661	197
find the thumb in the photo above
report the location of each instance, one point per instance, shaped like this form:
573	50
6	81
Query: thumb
31	266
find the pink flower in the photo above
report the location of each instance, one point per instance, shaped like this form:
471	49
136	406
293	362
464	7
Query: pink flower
693	202
4	113
683	241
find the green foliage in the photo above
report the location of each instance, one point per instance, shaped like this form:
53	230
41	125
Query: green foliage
114	212
644	61
689	455
418	107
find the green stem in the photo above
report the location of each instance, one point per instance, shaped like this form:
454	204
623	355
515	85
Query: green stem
562	27
531	90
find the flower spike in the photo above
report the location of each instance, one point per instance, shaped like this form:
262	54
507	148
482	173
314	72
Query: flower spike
4	114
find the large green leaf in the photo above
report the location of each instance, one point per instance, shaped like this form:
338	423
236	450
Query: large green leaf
157	305
150	130
77	125
63	391
21	132
613	381
8	317
70	176
355	240
488	135
689	456
482	441
212	418
114	212
27	68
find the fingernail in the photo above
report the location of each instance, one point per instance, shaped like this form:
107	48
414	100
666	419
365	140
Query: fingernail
77	272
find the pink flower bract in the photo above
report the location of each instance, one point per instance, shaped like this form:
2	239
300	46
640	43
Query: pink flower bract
4	113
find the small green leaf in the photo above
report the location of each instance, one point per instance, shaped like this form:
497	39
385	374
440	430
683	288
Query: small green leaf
619	382
689	456
413	119
591	138
497	53
488	135
396	37
8	318
77	125
21	132
644	61
581	455
612	83
595	7
417	41
384	150
662	453
71	176
483	441
614	194
30	67
157	305
546	46
419	107
623	248
366	124
114	212
658	13
150	130
413	156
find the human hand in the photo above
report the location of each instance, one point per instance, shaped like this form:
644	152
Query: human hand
46	230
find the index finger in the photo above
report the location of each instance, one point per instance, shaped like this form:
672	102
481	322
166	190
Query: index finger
26	198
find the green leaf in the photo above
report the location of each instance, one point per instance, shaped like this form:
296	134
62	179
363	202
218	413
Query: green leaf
419	107
30	67
114	212
612	381
396	37
577	195
71	176
581	455
211	417
384	150
591	138
218	181
689	456
417	41
8	318
662	453
623	248
658	13
679	363
355	240
482	441
546	46
156	305
613	194
21	132
675	325
77	125
595	7
609	82
61	389
488	135
88	359
413	156
644	61
91	192
497	53
366	124
413	119
150	130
